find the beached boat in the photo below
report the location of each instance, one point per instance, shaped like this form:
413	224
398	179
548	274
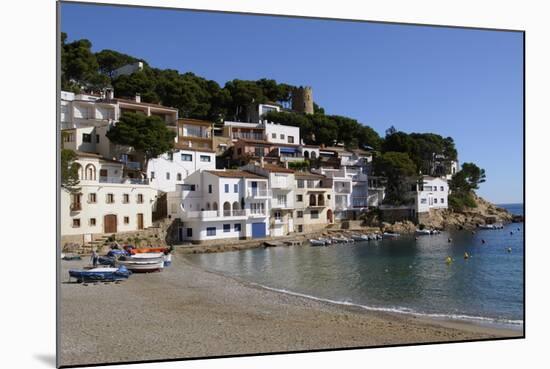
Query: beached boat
70	257
100	274
147	262
315	242
146	250
390	235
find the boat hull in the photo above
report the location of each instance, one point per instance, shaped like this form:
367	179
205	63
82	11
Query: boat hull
100	274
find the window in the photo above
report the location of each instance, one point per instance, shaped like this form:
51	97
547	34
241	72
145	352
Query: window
282	136
168	176
258	151
86	137
110	198
441	188
435	188
277	215
236	188
299	198
126	220
92	198
314	214
205	158
186	157
301	183
310	183
435	200
281	200
299	214
140	198
423	201
152	175
97	138
442	200
76	223
300	228
328	196
189	187
189	232
226	188
227	227
237	227
211	231
92	222
171	156
273	135
209	188
125	198
179	176
290	139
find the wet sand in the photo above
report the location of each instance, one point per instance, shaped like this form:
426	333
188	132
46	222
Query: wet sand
187	312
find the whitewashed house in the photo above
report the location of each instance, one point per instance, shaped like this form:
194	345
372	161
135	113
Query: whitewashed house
107	201
222	204
171	169
282	196
313	202
432	193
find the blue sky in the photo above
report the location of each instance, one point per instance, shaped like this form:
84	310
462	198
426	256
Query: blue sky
467	84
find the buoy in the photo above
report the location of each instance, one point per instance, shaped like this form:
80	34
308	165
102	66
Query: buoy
482	241
473	232
511	233
509	249
450	240
466	255
448	260
518	229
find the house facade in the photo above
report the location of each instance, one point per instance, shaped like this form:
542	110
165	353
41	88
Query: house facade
432	193
106	200
314	196
222	204
195	134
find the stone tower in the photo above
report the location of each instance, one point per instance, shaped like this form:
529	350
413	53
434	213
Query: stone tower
302	100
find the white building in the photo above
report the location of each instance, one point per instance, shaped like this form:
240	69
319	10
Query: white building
171	169
433	193
281	134
263	131
127	69
223	204
282	185
107	200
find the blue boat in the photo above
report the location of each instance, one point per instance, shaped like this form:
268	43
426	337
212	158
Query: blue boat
100	274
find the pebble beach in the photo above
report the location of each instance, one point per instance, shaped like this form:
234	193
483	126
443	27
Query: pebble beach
188	312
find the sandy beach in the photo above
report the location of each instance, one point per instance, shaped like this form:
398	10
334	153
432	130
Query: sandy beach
187	312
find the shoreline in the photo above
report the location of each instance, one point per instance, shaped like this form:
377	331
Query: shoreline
475	324
186	311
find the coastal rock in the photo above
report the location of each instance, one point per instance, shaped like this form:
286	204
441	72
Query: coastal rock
404	227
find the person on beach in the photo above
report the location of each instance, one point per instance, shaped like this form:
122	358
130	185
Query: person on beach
95	258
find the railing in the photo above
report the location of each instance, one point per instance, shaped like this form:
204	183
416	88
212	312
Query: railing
248	136
134	165
257	193
215	214
343	190
119	180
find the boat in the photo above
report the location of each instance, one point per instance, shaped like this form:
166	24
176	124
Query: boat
315	242
117	252
107	260
146	250
360	237
146	262
491	226
422	232
390	235
327	241
341	239
70	257
100	274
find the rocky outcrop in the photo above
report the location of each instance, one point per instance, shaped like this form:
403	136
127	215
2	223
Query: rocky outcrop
403	227
484	213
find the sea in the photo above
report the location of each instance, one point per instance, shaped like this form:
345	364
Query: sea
400	275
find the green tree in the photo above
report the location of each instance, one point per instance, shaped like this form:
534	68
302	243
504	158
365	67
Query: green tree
243	94
79	66
109	60
397	168
148	135
69	171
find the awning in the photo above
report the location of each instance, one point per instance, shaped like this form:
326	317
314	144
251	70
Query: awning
287	150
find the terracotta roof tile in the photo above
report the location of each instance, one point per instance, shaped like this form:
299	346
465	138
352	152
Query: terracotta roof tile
234	173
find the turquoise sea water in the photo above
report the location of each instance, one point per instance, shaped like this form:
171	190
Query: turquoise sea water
401	275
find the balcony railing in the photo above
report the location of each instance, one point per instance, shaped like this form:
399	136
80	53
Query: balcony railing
138	181
216	214
133	165
76	206
256	193
343	190
248	136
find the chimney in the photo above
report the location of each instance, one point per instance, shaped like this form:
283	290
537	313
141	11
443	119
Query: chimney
138	98
109	94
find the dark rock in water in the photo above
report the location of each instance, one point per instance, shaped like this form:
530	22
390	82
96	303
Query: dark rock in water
518	219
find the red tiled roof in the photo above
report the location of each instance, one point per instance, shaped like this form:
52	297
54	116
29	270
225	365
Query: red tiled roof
234	173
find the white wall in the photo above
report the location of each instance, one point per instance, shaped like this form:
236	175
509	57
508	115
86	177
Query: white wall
435	197
278	130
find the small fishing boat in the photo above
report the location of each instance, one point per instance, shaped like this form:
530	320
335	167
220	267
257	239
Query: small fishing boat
390	235
70	257
341	239
316	242
423	232
144	263
100	274
360	237
327	241
491	226
146	250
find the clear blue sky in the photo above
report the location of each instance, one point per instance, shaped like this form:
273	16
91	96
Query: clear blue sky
467	84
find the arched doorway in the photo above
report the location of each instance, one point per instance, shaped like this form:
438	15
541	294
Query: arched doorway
306	154
313	155
90	172
329	216
236	207
226	209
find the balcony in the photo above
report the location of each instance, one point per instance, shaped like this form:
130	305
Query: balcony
119	180
133	165
257	193
248	136
223	214
342	190
76	206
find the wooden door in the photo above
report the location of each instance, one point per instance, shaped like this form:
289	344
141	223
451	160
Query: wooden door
140	221
109	223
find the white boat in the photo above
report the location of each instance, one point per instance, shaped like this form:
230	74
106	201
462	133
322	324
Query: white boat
146	262
339	239
315	242
422	232
327	241
491	226
360	237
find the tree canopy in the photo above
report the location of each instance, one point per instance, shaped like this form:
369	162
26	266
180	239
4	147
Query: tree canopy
394	166
146	134
69	171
